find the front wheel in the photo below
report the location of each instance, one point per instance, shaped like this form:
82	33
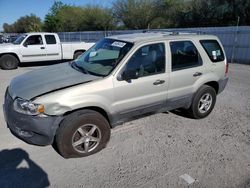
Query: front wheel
8	62
203	102
82	133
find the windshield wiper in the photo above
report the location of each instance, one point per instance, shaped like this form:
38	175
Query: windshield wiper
79	68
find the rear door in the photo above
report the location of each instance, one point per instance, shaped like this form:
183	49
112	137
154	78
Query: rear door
33	49
53	48
148	92
186	69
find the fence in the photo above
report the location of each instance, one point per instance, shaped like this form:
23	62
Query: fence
236	40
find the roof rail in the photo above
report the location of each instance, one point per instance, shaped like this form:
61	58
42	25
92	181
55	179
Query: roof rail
174	31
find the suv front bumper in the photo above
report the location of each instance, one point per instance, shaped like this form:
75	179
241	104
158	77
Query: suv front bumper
31	129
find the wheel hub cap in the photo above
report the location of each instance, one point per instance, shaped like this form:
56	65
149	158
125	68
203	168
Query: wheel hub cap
86	138
205	103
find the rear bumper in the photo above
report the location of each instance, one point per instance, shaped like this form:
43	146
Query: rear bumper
222	84
31	129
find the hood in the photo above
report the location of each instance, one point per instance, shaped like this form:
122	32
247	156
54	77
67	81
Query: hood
44	80
8	47
6	44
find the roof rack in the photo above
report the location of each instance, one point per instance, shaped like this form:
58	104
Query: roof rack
174	32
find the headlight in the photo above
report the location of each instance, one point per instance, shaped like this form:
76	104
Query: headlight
28	107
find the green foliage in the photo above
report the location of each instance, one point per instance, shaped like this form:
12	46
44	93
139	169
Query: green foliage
63	18
24	24
97	18
137	14
52	21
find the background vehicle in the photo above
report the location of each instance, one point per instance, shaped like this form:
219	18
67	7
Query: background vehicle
34	47
119	79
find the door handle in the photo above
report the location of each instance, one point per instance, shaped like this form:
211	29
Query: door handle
197	74
42	48
158	82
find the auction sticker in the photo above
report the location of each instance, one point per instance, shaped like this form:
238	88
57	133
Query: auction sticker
118	44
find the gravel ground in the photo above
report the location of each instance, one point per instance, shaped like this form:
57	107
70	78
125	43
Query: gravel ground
150	152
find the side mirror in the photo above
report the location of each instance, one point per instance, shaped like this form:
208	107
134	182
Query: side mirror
130	75
25	44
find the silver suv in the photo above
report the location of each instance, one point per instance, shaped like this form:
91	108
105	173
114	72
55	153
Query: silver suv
74	105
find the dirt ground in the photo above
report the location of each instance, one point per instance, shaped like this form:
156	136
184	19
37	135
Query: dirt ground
150	152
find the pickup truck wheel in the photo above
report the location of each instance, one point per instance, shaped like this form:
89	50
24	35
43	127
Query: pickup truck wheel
8	62
77	54
203	102
82	133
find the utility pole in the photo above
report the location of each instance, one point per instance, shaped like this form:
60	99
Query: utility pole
235	39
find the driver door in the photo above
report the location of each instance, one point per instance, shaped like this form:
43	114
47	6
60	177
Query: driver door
33	49
147	93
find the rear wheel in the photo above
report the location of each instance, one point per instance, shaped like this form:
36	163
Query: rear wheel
8	62
82	133
77	54
203	102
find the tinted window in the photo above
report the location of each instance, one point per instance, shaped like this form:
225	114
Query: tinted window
184	55
34	40
148	60
213	49
50	39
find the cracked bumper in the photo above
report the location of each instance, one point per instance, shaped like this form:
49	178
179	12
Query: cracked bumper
37	130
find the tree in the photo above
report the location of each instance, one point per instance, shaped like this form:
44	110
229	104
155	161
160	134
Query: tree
97	18
52	22
24	24
70	18
136	14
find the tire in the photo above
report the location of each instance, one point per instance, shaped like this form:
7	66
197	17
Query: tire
8	62
77	54
81	134
203	102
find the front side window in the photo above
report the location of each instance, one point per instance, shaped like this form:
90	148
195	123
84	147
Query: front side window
213	49
34	40
184	55
50	39
148	60
103	57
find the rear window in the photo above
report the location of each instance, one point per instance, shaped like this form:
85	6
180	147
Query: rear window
213	49
50	39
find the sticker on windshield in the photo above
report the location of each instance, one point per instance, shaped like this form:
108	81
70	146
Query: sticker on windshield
118	44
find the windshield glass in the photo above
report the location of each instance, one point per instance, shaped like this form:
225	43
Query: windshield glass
103	57
20	39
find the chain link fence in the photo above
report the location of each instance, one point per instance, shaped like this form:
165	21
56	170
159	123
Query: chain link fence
236	40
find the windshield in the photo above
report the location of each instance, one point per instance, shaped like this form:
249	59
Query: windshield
103	57
20	39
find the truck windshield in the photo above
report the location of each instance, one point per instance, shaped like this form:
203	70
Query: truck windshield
20	39
103	57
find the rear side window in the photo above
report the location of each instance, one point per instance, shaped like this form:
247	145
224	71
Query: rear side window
184	55
50	39
213	49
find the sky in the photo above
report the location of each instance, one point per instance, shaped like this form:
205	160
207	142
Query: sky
11	10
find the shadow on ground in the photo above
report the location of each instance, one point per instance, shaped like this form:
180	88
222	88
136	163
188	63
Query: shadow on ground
42	63
182	113
18	170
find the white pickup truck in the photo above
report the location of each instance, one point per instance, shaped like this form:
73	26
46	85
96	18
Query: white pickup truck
34	47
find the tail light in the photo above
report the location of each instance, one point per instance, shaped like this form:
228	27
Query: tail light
227	67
